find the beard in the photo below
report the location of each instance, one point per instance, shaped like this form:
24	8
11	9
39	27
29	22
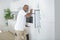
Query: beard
26	11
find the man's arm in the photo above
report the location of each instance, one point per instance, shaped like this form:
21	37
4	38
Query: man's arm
29	14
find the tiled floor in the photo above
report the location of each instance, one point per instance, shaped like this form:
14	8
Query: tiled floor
7	36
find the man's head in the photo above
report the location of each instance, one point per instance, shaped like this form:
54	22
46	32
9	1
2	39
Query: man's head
25	8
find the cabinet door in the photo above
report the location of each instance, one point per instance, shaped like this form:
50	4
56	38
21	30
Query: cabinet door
37	19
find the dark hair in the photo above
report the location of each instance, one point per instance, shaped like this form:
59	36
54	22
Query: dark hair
25	5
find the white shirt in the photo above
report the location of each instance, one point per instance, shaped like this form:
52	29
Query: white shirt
21	21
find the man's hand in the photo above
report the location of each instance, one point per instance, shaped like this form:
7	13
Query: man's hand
26	25
31	10
29	14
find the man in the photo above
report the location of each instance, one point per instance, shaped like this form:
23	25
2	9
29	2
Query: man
21	22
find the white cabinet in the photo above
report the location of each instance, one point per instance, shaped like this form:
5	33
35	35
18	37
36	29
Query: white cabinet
11	24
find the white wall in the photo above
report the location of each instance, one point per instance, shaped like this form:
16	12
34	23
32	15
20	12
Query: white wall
47	20
57	20
17	5
3	5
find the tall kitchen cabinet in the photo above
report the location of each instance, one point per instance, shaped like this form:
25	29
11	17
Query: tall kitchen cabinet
34	25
